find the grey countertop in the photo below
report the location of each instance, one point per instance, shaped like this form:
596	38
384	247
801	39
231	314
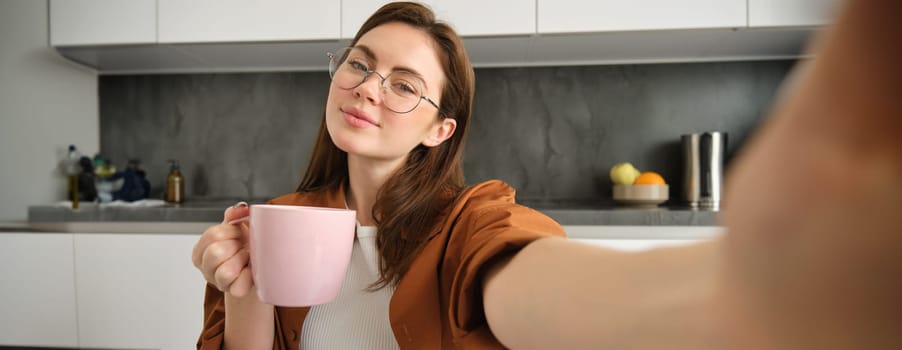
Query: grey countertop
190	211
210	210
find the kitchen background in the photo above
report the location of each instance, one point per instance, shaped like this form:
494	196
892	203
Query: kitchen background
46	103
551	122
551	132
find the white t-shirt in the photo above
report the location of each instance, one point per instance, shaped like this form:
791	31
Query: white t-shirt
356	319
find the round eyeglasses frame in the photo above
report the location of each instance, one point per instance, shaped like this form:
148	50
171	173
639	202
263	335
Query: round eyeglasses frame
334	65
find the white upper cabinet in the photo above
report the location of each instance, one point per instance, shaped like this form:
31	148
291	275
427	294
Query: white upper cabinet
574	16
198	21
468	17
782	13
278	35
102	22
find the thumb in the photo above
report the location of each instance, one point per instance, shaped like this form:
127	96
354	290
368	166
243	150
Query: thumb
236	211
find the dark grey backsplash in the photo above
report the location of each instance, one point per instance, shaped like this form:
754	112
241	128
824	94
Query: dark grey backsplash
551	132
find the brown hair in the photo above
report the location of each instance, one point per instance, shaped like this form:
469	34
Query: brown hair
410	205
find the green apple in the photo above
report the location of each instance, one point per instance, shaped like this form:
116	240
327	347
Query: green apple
624	174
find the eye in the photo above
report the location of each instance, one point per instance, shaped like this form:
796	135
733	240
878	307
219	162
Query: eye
358	65
404	88
405	85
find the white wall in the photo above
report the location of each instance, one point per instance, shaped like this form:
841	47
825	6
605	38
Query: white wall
46	103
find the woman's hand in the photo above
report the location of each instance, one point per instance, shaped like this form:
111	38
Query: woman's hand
221	254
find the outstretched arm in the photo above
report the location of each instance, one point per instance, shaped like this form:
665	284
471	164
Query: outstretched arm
814	218
814	253
562	294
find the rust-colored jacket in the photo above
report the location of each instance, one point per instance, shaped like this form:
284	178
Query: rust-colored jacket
438	302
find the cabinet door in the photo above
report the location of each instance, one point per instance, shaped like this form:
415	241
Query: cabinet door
37	290
779	13
102	22
468	17
240	21
573	16
137	291
654	232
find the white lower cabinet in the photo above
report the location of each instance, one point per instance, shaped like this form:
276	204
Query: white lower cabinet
37	290
141	291
635	245
137	291
639	238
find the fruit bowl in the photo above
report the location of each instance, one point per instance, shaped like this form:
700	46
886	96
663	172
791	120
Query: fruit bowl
641	195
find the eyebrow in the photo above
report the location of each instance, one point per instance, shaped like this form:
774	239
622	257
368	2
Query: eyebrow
369	54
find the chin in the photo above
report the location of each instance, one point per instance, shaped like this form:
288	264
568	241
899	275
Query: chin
344	145
344	139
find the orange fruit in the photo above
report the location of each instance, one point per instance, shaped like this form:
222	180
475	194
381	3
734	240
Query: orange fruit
650	178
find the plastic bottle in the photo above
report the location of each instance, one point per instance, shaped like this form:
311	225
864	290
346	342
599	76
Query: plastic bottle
175	183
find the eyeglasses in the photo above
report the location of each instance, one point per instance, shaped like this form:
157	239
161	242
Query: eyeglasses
401	91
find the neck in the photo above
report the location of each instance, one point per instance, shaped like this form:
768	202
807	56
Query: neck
366	176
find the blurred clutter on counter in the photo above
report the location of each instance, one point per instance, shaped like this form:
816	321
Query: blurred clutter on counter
97	180
141	203
79	173
175	183
128	185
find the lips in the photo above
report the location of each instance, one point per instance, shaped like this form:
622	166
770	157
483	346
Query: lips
358	118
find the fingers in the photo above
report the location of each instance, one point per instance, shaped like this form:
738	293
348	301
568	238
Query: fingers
236	211
214	234
242	285
221	253
218	253
221	232
227	273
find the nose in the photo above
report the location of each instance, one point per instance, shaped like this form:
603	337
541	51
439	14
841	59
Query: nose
370	89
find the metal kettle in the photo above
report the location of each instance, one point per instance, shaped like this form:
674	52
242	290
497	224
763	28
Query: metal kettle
703	160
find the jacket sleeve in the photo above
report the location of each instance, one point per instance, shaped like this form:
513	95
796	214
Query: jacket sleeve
213	332
481	236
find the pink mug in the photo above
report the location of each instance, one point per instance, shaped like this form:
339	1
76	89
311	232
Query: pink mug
299	255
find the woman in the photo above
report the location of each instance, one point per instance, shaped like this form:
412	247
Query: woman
811	260
390	148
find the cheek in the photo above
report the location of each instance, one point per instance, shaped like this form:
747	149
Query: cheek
332	113
331	98
333	102
425	122
409	130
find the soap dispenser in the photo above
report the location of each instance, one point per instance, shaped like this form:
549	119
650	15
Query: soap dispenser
175	183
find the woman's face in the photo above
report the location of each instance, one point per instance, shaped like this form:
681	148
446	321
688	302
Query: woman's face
358	120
